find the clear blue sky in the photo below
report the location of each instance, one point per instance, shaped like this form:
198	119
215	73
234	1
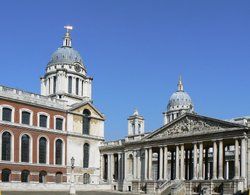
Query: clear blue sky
136	50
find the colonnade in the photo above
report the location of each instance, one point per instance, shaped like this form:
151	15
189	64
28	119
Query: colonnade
193	161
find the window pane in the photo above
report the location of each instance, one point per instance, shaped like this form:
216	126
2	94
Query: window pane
70	85
25	118
7	114
24	176
77	85
42	177
59	123
42	150
6	146
59	152
86	156
6	175
86	122
43	121
25	148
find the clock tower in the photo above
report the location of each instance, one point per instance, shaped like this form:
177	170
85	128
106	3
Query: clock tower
66	76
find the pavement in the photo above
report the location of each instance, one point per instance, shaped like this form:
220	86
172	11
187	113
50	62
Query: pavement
65	193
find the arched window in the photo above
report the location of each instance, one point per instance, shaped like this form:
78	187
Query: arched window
86	155
25	118
25	146
7	112
59	152
70	84
86	122
42	150
59	123
25	176
6	175
59	177
86	178
6	146
43	120
42	176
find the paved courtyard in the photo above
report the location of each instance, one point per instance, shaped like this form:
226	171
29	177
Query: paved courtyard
66	193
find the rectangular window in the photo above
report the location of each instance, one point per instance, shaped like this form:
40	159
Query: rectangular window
54	87
25	118
7	114
59	123
43	121
70	85
77	86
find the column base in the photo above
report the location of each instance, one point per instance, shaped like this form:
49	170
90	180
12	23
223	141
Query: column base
221	178
214	178
201	178
236	177
194	178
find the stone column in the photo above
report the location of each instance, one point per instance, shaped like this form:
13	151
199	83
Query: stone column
200	160
165	162
243	157
112	167
214	160
119	166
221	160
150	164
122	166
146	164
134	165
195	162
227	170
161	163
109	168
73	85
177	163
125	165
139	165
236	159
182	163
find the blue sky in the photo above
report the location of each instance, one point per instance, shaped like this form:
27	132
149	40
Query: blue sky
136	50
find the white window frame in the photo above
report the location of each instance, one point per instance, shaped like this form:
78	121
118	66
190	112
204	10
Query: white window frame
30	148
12	146
63	151
12	111
63	125
48	149
38	119
26	110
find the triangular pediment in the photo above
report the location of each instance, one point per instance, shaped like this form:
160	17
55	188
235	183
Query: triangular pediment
80	107
189	124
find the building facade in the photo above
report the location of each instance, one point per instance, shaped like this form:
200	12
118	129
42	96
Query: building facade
39	134
189	154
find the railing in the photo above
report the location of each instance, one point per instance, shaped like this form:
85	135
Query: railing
164	186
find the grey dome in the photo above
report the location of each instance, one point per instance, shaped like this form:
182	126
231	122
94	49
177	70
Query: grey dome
66	55
179	100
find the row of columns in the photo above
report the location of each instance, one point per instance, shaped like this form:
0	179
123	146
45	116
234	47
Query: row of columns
184	163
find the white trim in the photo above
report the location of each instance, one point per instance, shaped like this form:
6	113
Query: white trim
63	125
12	111
26	110
12	146
63	151
48	119
30	147
47	151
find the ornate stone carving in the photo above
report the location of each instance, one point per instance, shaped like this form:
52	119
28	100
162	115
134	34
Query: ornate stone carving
190	124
